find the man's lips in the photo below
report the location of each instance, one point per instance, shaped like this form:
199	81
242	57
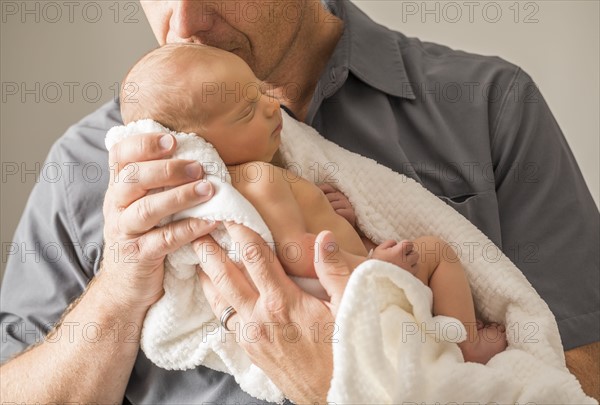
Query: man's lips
276	130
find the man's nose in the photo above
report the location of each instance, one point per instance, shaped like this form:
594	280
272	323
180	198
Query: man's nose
191	16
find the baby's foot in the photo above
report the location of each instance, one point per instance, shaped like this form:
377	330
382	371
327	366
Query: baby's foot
490	340
401	254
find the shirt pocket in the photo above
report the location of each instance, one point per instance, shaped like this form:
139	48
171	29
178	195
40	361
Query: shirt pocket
481	209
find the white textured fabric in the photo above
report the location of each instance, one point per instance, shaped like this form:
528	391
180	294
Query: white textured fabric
388	348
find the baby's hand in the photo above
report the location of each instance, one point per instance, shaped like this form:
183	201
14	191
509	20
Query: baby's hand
339	202
401	254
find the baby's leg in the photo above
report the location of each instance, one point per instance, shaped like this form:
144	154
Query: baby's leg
439	267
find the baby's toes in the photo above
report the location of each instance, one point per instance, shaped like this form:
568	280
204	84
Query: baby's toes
501	344
492	334
497	326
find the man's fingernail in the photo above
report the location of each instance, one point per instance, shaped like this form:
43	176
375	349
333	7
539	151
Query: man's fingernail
329	242
202	225
203	189
193	170
166	142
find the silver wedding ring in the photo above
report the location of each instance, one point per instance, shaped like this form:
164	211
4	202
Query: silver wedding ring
225	315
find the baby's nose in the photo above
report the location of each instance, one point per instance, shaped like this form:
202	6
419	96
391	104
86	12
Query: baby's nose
274	106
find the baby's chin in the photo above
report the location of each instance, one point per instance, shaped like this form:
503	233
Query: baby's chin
277	159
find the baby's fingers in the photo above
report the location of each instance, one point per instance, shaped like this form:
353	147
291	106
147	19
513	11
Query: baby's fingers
327	188
340	204
387	244
406	247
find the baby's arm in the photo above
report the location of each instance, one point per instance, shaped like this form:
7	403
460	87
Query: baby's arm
268	191
401	253
295	210
342	207
339	202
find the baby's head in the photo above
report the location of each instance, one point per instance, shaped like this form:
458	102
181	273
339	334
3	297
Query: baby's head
208	91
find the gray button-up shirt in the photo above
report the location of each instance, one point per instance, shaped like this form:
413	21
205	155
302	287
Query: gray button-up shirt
472	129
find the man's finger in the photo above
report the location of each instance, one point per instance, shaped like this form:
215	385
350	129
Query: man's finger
139	148
225	276
259	260
147	212
216	301
145	176
332	269
166	239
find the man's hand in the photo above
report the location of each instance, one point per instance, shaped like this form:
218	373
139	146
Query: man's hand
293	327
135	247
584	363
339	202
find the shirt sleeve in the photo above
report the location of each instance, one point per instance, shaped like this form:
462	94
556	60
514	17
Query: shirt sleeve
549	221
47	268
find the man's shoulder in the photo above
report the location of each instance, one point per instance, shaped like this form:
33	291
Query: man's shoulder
84	141
83	161
381	55
81	155
433	61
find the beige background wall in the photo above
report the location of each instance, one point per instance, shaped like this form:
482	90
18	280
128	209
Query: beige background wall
88	47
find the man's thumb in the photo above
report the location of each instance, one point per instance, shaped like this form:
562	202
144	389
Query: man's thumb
332	269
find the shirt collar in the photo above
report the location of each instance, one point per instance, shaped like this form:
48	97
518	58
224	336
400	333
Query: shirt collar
371	51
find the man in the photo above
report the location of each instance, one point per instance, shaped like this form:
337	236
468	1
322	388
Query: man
497	156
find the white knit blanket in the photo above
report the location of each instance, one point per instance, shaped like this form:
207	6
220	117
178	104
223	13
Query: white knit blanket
387	346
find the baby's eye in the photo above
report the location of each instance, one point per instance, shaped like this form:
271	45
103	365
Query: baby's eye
250	110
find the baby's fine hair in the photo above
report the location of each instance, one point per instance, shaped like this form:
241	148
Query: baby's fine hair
157	87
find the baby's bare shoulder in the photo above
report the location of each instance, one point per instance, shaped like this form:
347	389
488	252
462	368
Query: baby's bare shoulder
266	178
258	177
251	172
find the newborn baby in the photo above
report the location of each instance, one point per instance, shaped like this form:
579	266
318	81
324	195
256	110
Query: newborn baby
214	94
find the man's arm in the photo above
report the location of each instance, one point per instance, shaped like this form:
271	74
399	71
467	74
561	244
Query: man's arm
87	358
90	355
583	363
549	220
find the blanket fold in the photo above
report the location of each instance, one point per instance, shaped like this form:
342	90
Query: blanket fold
387	346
